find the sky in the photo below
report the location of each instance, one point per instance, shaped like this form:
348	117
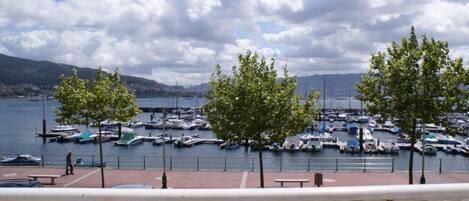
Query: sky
182	41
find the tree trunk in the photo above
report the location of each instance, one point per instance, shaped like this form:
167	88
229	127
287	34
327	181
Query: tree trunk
101	154
119	130
261	167
361	139
411	154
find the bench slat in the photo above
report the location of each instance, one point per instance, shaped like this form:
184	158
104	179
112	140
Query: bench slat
291	180
44	176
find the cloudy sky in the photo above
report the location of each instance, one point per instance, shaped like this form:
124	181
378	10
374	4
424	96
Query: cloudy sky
182	41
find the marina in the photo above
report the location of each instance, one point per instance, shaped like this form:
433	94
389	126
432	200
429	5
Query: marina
201	142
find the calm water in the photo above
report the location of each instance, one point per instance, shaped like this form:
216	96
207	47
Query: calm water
20	119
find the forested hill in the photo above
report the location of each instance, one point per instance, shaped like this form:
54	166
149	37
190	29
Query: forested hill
25	77
337	85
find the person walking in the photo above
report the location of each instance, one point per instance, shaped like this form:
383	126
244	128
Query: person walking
68	163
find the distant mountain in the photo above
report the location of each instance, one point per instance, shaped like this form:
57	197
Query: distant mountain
24	77
337	85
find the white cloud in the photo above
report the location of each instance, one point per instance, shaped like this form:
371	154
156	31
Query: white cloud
183	40
198	8
293	5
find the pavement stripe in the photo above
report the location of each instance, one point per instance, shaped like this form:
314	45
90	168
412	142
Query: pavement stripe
243	180
80	178
10	175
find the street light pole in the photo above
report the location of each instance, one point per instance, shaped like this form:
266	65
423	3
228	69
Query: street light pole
164	180
422	177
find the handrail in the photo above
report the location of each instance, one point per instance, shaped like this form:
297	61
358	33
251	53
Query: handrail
428	192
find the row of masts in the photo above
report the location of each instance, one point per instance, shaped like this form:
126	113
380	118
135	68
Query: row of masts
324	96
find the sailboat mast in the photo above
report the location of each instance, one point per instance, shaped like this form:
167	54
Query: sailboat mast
44	122
177	104
349	97
324	95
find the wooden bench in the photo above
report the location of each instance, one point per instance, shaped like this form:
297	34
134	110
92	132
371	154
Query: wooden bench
301	181
52	177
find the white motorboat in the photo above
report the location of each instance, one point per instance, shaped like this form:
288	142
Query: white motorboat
314	146
189	126
363	119
388	124
154	125
367	136
323	137
184	141
64	128
136	124
341	117
175	123
434	128
388	147
129	139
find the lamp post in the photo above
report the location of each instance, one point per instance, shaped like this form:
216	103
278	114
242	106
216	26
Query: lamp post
422	177
44	121
164	179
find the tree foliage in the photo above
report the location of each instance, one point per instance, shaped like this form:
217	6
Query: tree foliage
105	98
253	105
414	81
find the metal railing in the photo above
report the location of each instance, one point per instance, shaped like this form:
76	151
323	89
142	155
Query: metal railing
428	192
307	164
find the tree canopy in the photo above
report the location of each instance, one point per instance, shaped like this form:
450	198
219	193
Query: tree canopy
414	81
83	102
252	104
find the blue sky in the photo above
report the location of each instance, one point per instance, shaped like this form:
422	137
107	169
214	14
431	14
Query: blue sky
182	41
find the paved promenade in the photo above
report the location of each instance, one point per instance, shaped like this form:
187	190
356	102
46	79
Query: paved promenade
88	177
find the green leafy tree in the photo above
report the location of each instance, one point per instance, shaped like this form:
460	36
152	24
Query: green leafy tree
253	105
414	81
83	102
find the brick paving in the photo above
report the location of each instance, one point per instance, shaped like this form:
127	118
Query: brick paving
90	178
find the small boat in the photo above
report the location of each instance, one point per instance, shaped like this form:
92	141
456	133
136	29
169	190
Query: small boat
451	149
352	128
229	145
86	137
388	147
184	141
82	163
363	119
158	141
388	124
447	139
341	117
129	139
367	136
136	124
21	160
67	138
154	125
372	124
370	147
275	147
175	123
430	138
395	130
428	148
434	128
323	136
163	139
314	146
189	126
64	128
353	146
